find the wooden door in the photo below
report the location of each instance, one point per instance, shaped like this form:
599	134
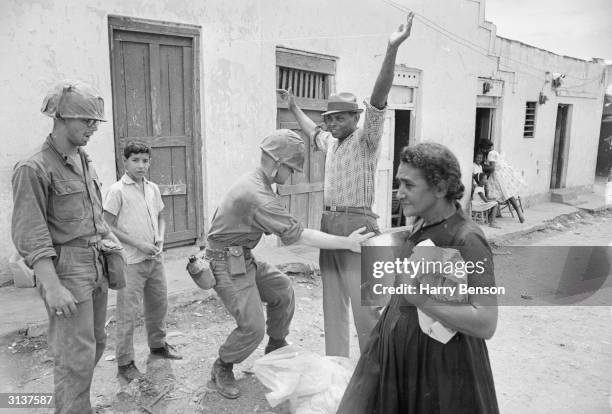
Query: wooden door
310	77
155	93
557	173
303	195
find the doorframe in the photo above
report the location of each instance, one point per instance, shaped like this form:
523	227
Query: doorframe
565	139
319	63
415	82
134	24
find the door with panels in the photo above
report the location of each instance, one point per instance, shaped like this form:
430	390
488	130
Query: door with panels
154	70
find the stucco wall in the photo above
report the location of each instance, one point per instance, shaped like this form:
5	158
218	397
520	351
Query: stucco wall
533	156
42	42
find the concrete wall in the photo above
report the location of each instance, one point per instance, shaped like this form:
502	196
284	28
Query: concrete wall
582	88
42	42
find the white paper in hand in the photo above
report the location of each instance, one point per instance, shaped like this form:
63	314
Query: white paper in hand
429	325
434	329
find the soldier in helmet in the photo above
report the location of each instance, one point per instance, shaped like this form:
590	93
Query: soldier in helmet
248	210
57	227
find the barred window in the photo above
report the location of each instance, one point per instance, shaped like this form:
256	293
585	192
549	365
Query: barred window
530	119
304	84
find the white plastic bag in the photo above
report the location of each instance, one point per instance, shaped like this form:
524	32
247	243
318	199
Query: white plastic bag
313	384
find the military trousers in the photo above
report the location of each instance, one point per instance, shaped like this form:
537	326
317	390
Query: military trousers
77	342
243	295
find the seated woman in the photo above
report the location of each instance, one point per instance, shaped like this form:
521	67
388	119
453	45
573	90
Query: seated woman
403	369
480	202
504	182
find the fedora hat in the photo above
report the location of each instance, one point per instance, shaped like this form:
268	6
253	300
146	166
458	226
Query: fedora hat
342	102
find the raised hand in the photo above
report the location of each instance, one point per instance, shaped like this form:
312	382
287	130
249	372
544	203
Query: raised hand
402	33
287	96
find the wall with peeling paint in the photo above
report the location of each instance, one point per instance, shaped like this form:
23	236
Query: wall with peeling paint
42	42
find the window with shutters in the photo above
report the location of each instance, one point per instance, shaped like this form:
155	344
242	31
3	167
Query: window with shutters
303	83
309	75
530	119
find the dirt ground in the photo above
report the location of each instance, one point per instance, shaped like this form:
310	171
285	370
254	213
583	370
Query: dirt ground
545	359
197	325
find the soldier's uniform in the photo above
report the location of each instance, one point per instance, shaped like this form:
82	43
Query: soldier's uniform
249	210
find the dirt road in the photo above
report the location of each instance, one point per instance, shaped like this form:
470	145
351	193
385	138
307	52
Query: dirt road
545	359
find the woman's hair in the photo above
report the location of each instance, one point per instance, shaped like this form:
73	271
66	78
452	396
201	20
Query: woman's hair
136	147
438	165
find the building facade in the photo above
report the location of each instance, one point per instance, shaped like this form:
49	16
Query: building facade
197	80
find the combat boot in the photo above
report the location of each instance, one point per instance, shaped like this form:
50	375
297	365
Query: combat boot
223	377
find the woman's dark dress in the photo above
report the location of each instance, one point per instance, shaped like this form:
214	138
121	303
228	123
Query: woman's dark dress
404	371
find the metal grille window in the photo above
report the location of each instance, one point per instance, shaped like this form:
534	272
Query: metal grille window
304	84
530	118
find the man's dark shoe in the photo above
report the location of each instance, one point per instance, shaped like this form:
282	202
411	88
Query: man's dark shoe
274	344
223	376
166	352
129	372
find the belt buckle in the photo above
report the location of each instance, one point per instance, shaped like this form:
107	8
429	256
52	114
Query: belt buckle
332	208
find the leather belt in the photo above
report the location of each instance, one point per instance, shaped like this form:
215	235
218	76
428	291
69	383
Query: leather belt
221	254
83	242
353	210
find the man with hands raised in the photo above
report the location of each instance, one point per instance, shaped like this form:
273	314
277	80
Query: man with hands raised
350	172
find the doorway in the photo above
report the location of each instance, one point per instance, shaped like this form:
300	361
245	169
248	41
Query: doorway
560	147
155	80
484	125
401	139
604	152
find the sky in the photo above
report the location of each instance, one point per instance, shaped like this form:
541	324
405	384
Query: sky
577	28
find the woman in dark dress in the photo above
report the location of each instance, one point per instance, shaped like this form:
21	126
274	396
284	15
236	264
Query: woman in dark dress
403	370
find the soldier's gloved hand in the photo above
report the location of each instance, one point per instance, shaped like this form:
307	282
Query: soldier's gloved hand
357	237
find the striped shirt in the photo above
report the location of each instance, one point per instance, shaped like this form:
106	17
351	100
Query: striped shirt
137	212
350	165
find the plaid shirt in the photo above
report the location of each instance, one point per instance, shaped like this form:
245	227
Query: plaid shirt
350	165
